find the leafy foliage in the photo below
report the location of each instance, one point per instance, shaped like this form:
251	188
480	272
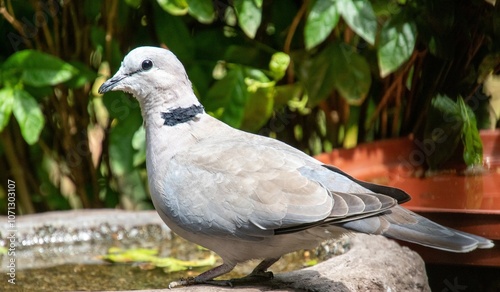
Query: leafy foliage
316	74
396	44
321	20
456	122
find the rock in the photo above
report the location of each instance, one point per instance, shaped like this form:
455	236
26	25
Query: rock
374	263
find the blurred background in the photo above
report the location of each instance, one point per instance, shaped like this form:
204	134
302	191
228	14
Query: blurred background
320	75
316	74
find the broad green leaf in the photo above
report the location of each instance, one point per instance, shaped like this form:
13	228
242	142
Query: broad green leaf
350	73
320	84
202	10
174	7
258	109
121	152
244	55
28	115
260	101
40	92
228	97
171	265
249	16
6	103
84	76
396	43
142	255
38	69
473	146
321	20
173	32
359	15
442	132
132	185
139	144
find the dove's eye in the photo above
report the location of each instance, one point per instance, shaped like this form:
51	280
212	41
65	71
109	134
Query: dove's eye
146	65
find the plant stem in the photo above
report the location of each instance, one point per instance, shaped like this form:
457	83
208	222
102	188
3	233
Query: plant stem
289	37
17	173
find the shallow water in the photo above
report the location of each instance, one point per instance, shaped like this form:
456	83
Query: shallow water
113	276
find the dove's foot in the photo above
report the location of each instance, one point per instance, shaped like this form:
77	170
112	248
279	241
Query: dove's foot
254	277
206	277
195	281
259	274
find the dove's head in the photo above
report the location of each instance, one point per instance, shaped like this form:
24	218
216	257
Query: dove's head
153	76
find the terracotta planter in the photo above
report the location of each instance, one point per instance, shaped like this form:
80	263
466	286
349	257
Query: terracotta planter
468	203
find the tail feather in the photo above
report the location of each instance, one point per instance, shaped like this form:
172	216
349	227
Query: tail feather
402	224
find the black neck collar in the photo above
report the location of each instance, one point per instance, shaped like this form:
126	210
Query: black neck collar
181	115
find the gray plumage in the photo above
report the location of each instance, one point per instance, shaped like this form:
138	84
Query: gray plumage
246	196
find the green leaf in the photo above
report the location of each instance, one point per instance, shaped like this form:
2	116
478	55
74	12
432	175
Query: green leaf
473	146
359	15
321	20
260	102
442	132
142	255
320	84
249	16
258	109
173	32
202	10
174	265
139	144
228	97
174	7
28	115
350	73
396	43
6	103
339	67
85	75
244	55
121	152
38	69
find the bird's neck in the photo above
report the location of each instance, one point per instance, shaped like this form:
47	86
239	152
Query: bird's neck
171	118
164	100
163	142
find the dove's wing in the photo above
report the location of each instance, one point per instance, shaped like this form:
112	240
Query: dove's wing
251	188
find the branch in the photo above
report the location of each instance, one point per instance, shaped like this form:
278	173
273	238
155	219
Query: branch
17	173
289	37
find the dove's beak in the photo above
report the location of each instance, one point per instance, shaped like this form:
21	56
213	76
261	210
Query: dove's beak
111	83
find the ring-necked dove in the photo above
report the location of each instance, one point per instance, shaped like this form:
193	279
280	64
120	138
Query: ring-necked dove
246	196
